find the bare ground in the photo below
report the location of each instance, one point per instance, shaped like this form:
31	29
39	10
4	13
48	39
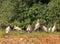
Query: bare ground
31	39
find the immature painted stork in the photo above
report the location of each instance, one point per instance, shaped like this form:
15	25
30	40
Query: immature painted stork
49	29
37	26
54	27
17	28
44	28
7	29
29	28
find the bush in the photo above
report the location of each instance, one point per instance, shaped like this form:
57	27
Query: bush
18	12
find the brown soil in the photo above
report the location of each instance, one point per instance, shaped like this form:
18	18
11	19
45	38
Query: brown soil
31	39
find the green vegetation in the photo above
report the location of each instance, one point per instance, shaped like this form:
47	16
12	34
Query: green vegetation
22	12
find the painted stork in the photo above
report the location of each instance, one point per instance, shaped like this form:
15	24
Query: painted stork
54	27
17	28
44	28
37	26
29	28
7	29
49	29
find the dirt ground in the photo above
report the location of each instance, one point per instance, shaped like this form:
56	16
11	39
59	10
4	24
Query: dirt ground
31	39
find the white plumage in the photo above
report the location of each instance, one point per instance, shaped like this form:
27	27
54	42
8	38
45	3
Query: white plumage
44	28
29	28
49	29
53	28
7	29
37	26
17	28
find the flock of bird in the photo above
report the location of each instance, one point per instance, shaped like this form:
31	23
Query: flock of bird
29	28
50	29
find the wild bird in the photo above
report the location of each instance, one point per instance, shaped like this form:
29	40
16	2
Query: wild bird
29	28
17	28
37	26
7	29
44	28
53	28
49	29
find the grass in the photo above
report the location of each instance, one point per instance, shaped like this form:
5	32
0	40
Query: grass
2	33
20	33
